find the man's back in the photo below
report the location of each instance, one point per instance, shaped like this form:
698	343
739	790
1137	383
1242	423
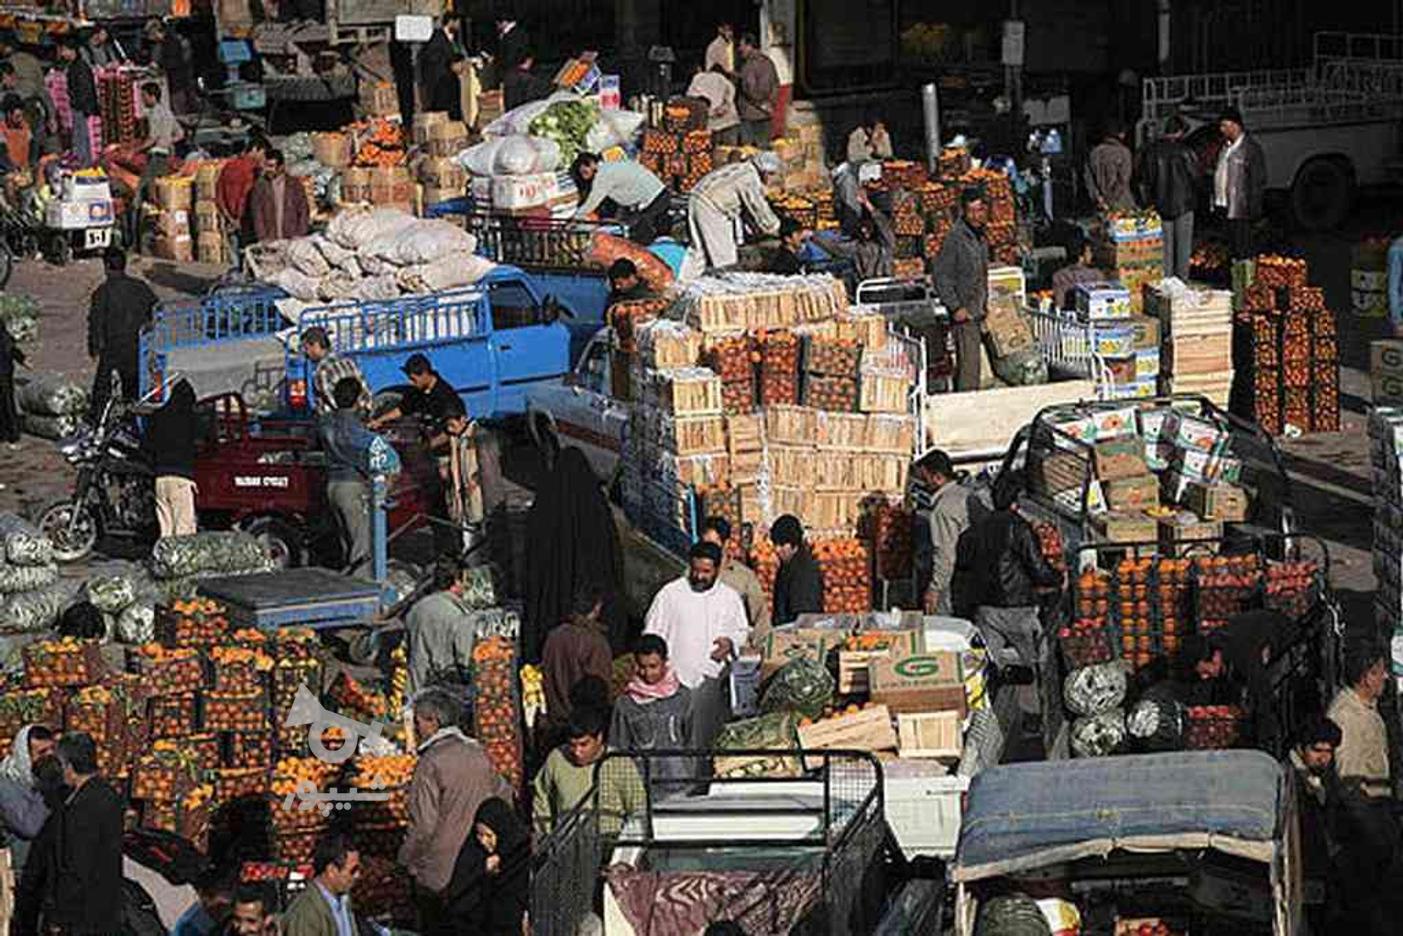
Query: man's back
309	915
118	310
451	780
441	640
86	895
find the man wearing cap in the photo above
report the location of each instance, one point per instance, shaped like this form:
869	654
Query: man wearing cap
726	199
703	622
330	369
1239	182
799	583
962	279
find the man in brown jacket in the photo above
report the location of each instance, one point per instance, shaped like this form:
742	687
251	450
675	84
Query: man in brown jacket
742	578
278	204
451	780
757	92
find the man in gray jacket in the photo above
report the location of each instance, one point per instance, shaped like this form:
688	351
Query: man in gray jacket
347	444
953	509
962	279
758	93
1239	182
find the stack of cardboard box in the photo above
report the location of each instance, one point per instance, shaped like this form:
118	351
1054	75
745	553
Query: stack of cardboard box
174	201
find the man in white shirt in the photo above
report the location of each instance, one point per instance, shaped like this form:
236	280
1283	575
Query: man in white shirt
722	119
629	185
722	50
1239	182
727	201
703	622
162	132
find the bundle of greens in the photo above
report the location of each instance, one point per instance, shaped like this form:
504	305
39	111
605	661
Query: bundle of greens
567	123
20	315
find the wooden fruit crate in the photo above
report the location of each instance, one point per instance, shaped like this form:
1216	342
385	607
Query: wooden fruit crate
791	466
846	431
249	750
885	473
746	468
832	357
231	783
164	776
888	433
693	435
934	735
883	393
20	707
57	664
174	716
791	425
869	729
869	330
233	711
174	672
663	343
690	391
744	433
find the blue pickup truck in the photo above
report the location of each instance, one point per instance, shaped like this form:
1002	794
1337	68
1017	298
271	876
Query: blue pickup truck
492	342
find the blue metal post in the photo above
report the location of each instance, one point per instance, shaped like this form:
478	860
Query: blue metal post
384	463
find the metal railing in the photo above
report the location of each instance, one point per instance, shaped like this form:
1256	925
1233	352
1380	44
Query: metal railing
239	312
402	323
542	243
1068	345
819	834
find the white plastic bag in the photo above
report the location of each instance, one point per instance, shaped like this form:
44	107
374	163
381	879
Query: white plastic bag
353	228
614	128
480	159
445	273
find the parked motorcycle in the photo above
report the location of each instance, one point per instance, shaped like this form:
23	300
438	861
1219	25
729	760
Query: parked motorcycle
114	494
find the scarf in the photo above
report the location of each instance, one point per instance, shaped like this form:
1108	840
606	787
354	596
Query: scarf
452	731
16	766
642	693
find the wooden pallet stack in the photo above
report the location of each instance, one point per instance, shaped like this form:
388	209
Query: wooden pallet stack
1196	338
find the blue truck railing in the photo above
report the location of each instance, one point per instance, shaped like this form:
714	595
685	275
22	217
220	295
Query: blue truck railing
231	314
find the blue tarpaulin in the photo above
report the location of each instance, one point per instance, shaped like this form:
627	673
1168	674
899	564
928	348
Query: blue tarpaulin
1022	816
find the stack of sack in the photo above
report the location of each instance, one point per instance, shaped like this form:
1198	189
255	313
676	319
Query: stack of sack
51	406
125	595
31	595
370	254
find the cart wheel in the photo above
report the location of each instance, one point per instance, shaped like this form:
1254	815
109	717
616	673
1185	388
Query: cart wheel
282	541
60	250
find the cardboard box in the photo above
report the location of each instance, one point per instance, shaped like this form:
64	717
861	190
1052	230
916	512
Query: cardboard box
1190	432
745	685
1119	458
926	682
68	215
1007	330
1220	501
1113	339
1147	364
869	729
854	666
1129	494
523	191
1386	369
784	646
1146	332
1177	532
1103	300
1132	526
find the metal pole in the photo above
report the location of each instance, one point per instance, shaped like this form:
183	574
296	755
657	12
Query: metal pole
930	112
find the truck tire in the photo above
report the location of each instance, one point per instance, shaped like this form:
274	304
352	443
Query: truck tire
1322	193
282	540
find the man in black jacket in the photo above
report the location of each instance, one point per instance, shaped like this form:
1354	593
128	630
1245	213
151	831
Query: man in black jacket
799	583
170	444
82	98
117	312
10	355
1168	179
440	63
998	569
82	859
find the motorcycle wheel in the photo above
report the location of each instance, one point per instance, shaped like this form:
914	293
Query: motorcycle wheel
7	264
281	540
74	537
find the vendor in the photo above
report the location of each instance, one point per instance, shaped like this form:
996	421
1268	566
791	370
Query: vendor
330	368
850	201
625	285
953	508
20	144
1231	664
742	578
232	190
26	78
347	445
791	258
277	205
82	99
440	634
162	133
441	62
431	398
170	52
101	50
962	279
727	199
799	581
1080	270
629	185
872	250
869	140
712	85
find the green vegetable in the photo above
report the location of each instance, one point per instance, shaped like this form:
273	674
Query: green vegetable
567	123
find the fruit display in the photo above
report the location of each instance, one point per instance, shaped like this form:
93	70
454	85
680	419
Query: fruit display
399	680
1275	271
248	750
173	716
1142	605
888	527
167	774
383	891
233	711
195	622
1212	727
846	566
20	707
496	713
832	357
240	668
295	643
99	711
1290	587
906	217
356	700
390	774
1226	586
296	847
187	817
1147	926
232	783
1050	544
831	394
1085	642
679	157
61	663
207	749
779	368
168	671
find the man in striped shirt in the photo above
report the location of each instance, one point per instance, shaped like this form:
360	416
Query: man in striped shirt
329	370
